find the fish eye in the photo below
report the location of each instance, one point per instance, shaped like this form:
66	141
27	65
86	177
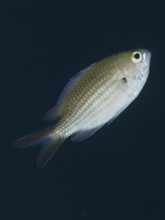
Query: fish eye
136	57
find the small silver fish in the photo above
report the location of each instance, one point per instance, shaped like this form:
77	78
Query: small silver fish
93	98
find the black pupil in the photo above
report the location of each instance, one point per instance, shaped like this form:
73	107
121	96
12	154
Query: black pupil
137	56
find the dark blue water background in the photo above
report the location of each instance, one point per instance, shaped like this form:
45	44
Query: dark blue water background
117	174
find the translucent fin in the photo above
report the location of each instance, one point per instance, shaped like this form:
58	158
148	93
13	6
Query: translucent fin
48	151
72	82
111	120
32	139
83	134
117	114
51	115
51	144
55	112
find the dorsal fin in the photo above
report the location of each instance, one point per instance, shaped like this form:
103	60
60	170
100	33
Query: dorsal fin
51	115
55	112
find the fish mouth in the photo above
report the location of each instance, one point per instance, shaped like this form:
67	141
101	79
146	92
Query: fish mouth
146	55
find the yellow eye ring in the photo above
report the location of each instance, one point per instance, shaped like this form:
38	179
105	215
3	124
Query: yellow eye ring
136	57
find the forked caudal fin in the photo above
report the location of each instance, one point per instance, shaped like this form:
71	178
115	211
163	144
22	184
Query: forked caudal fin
50	144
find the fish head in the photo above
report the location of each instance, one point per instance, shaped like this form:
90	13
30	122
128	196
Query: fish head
134	67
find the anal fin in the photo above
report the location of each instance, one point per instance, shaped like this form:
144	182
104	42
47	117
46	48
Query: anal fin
84	134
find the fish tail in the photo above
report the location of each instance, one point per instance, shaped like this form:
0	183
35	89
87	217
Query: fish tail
49	139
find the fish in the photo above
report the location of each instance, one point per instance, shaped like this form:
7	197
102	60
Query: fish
91	99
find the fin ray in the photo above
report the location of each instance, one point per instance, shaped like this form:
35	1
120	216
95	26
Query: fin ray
32	139
117	114
84	134
50	144
51	115
48	152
